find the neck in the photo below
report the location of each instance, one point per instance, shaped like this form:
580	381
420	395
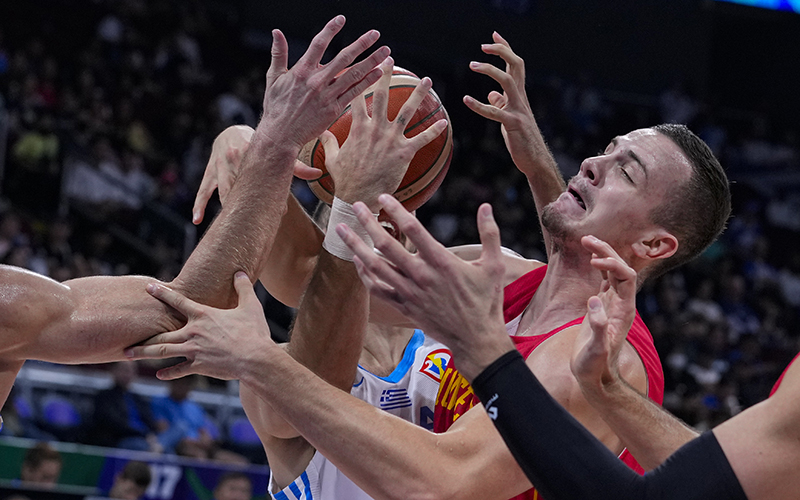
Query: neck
384	347
561	297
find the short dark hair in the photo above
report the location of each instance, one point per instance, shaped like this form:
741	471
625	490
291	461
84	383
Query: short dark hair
697	211
138	472
39	453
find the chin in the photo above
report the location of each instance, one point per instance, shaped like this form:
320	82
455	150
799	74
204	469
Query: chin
555	222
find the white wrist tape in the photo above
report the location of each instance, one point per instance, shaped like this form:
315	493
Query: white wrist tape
342	213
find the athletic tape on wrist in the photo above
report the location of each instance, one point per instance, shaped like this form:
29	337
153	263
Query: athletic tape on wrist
342	213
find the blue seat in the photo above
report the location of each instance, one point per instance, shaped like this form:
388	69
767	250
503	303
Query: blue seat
60	413
241	432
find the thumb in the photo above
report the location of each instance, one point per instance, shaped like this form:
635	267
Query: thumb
243	286
489	234
598	319
331	147
280	57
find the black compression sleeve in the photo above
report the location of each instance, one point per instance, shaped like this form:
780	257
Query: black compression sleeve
566	462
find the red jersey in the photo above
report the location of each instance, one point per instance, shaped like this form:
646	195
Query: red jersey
456	396
774	388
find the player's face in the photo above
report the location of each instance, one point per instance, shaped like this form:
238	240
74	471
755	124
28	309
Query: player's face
613	195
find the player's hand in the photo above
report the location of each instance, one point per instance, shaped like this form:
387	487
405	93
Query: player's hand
215	342
301	102
454	301
223	167
511	108
608	320
376	154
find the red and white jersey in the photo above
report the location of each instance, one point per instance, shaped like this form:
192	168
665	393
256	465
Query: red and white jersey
456	395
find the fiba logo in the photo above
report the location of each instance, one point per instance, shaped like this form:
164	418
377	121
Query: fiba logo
435	364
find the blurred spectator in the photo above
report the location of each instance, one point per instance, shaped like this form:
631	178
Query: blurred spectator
41	465
182	423
131	482
233	486
123	419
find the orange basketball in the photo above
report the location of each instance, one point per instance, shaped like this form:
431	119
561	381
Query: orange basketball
429	165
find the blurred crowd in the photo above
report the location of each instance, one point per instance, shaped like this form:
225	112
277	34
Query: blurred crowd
110	118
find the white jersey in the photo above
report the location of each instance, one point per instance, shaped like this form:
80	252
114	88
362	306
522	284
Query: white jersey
409	393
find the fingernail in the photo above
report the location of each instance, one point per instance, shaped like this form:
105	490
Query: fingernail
128	353
374	34
339	20
485	45
195	217
594	304
240	274
341	230
151	288
473	64
275	32
487	211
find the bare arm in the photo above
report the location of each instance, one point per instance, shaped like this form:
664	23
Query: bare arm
651	433
521	133
298	106
762	443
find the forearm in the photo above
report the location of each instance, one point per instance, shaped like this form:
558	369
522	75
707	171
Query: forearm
327	334
378	451
566	462
649	432
293	256
246	225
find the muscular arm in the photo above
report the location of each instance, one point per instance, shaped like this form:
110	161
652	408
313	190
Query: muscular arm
567	463
651	433
326	338
763	442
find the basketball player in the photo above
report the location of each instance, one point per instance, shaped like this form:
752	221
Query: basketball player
753	455
398	369
92	320
673	196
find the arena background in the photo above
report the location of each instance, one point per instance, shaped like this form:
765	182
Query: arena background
108	110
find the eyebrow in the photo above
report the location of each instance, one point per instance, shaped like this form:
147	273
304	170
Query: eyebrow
633	156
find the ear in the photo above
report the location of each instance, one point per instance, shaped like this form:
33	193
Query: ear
659	244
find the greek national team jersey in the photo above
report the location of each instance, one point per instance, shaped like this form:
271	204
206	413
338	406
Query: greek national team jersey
409	392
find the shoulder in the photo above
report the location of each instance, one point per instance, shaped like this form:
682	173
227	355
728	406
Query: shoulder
516	264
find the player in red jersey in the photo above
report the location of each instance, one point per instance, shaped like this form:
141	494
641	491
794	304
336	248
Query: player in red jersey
662	182
753	455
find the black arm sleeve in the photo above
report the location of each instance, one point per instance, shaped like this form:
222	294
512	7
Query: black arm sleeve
565	462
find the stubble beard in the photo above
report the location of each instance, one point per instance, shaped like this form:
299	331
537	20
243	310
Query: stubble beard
555	225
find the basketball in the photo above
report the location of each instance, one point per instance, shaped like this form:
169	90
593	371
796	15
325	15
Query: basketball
429	165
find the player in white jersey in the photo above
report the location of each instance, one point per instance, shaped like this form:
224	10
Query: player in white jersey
409	392
391	367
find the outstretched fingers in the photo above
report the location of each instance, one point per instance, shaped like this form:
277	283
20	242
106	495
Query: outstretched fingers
412	103
491	252
380	96
411	227
280	57
319	44
380	273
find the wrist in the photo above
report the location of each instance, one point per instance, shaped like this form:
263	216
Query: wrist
602	390
471	359
274	139
342	213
